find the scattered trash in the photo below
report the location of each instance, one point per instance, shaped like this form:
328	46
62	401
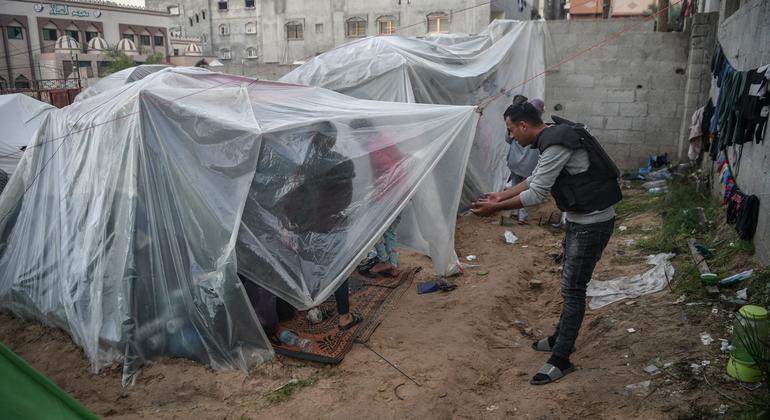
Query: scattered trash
629	242
714	310
659	174
535	284
653	184
736	278
510	238
525	246
668	365
630	302
651	369
631	330
603	293
709	279
492	408
467	266
657	190
705	363
314	316
723	409
471	258
434	286
622	228
742	294
680	299
482	273
705	252
693	304
641	389
706	339
725	345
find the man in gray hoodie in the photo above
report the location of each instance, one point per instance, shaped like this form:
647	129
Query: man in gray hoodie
522	160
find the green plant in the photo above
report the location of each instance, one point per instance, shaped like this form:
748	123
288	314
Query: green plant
118	61
285	392
155	58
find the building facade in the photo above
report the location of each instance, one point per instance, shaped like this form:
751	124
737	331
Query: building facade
45	40
244	33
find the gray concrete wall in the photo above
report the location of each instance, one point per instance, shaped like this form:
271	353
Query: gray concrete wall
630	91
744	38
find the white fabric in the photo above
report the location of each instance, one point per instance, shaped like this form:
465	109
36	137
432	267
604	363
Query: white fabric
129	234
20	117
603	293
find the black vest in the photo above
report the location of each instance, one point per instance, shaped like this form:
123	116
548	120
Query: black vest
592	190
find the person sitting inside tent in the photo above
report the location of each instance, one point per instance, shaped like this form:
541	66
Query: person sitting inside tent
385	159
522	160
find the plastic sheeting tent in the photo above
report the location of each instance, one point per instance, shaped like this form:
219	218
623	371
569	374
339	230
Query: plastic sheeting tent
120	78
130	231
20	117
453	69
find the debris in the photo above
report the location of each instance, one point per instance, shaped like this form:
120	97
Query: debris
631	330
471	258
668	365
693	304
641	389
535	284
742	294
653	280
705	363
314	316
736	278
723	409
651	369
680	299
629	242
443	394
482	273
653	184
714	310
525	246
630	302
510	238
725	345
706	339
492	408
622	228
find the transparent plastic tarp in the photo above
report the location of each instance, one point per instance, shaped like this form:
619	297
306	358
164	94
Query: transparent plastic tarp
452	69
20	117
119	78
130	232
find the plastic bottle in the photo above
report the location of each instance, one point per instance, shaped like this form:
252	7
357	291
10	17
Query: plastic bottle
290	339
657	190
653	184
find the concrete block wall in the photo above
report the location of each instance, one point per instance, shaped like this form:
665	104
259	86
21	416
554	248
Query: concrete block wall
629	91
744	38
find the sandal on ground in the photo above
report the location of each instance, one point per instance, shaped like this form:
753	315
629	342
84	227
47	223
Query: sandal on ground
545	346
357	319
551	373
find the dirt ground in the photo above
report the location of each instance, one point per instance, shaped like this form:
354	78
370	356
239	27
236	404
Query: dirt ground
469	351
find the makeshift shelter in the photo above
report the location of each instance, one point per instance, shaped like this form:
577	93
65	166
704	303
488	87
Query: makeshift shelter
20	117
120	78
130	231
454	69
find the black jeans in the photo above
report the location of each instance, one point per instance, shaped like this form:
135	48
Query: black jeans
342	297
583	247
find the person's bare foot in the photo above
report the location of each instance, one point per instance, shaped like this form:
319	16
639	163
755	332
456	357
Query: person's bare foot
385	268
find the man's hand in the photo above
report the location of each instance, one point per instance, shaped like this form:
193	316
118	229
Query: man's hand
492	197
483	207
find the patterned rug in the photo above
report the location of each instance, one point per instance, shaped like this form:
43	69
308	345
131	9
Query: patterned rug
372	298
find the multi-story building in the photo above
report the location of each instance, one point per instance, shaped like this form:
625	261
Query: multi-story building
246	32
598	9
50	40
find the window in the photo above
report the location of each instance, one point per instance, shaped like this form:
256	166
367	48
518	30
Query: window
438	22
91	35
197	19
203	12
74	34
222	5
225	54
319	28
224	30
249	3
355	28
87	66
21	82
191	22
176	52
15	32
386	25
251	28
173	10
128	36
251	52
294	31
144	40
158	40
49	34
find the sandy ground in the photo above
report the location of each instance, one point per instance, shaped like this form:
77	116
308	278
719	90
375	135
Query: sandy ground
465	349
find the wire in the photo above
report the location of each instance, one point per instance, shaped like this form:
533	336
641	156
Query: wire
613	36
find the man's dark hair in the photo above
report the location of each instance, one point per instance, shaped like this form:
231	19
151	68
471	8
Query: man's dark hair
524	111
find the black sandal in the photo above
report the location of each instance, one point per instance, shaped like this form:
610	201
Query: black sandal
357	319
